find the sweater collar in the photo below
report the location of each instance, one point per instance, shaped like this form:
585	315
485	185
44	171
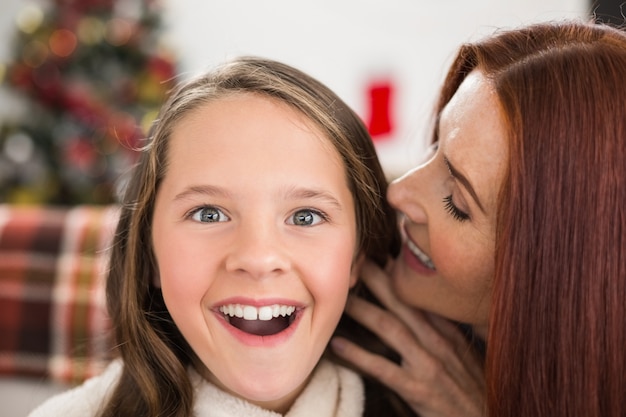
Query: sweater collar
333	391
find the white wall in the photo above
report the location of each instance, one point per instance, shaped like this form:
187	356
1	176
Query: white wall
345	44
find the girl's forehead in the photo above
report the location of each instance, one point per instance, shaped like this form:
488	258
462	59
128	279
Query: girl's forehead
248	126
236	101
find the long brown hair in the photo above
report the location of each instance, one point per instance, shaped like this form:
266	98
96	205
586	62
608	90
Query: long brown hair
557	335
154	381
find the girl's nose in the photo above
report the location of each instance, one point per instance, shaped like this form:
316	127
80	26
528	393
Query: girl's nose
258	251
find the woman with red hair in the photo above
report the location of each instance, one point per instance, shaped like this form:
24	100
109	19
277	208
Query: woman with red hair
514	231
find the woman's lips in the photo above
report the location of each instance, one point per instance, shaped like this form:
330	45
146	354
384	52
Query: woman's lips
418	254
415	250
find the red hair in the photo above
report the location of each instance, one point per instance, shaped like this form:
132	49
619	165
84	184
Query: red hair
557	334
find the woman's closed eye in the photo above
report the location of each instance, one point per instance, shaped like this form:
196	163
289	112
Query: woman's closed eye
306	217
208	214
454	211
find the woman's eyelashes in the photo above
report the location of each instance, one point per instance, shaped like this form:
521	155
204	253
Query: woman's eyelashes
300	217
454	211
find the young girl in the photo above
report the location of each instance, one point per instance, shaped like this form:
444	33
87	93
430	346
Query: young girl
254	201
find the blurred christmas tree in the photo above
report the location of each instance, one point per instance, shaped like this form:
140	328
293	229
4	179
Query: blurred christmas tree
89	76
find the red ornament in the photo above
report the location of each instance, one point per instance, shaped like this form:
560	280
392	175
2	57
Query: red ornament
86	5
162	68
379	121
80	154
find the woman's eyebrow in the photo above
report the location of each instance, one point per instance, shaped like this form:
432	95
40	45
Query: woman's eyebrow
464	181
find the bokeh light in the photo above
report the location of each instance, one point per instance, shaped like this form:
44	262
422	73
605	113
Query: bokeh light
90	30
118	31
29	19
62	42
35	53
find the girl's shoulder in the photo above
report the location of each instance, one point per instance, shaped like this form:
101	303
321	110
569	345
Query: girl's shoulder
83	400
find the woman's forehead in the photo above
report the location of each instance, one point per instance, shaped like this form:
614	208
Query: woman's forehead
473	135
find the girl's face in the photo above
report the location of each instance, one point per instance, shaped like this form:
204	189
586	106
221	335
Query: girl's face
449	210
255	235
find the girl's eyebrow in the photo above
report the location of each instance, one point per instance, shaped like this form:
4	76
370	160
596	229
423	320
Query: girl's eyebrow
208	190
301	193
291	193
464	181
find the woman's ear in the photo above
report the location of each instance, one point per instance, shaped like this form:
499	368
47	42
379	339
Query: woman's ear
356	269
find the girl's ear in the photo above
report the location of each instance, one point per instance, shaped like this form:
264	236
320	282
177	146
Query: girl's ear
356	269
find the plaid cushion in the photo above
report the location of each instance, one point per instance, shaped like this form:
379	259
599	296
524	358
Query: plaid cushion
53	320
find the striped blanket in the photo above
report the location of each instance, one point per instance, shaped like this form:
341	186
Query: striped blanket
53	320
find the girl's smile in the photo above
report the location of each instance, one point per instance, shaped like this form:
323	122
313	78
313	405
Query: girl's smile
265	323
263	318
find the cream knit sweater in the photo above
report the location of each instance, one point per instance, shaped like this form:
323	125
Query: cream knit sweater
333	391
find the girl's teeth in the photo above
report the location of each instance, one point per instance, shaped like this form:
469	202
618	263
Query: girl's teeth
264	313
250	313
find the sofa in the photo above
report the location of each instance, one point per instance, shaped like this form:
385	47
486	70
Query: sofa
54	329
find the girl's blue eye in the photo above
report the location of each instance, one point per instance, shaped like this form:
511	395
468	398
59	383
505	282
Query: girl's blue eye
306	217
454	210
208	214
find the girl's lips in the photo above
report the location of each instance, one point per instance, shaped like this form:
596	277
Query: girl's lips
262	321
264	313
259	322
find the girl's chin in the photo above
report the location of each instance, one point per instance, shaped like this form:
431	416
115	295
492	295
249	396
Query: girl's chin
279	399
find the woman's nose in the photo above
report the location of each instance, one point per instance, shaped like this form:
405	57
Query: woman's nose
407	195
258	251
